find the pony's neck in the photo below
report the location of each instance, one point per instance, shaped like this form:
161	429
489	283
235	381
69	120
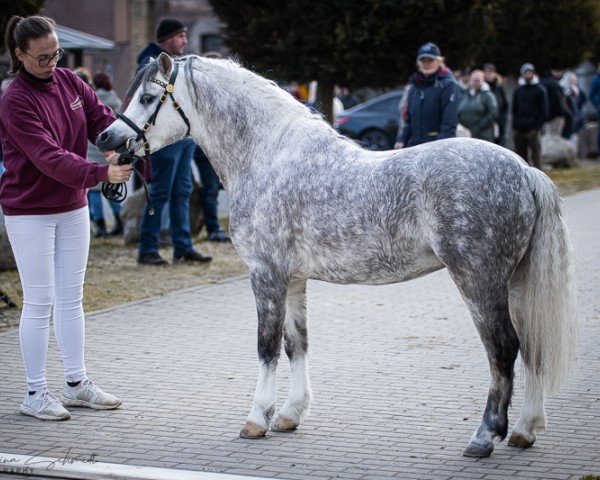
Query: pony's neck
243	121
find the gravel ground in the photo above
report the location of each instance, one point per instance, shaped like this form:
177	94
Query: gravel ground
114	277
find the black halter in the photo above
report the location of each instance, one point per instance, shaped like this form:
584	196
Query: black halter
141	133
117	192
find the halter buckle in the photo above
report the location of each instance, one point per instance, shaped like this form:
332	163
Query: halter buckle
145	127
163	97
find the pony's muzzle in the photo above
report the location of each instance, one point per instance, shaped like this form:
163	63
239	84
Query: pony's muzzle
106	141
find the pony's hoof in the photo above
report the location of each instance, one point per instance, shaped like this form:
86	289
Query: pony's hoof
282	424
252	431
478	451
519	441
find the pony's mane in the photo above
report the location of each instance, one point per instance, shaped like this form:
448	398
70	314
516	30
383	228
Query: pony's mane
229	77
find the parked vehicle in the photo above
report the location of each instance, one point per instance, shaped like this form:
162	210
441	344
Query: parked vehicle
374	123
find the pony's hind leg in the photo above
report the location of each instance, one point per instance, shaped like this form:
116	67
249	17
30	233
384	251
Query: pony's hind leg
490	313
269	292
533	415
502	346
296	345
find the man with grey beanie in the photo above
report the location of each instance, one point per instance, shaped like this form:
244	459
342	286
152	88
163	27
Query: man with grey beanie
529	112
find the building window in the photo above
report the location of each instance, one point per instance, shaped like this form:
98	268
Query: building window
211	42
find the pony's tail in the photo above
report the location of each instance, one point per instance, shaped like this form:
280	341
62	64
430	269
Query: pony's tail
542	293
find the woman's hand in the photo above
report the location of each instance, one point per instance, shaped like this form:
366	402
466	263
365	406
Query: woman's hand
398	145
111	157
119	173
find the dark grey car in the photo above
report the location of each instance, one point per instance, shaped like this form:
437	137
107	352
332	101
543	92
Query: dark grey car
373	123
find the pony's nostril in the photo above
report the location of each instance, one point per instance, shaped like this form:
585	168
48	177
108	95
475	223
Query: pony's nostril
104	136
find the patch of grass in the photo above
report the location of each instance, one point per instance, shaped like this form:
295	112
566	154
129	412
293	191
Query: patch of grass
577	179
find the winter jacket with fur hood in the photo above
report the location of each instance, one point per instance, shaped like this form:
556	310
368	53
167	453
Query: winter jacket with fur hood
431	108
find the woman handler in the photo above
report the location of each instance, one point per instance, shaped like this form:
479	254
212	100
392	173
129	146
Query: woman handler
47	116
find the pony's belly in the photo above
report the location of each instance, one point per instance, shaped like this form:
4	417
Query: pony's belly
378	272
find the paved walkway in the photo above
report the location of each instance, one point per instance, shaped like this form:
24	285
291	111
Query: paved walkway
398	372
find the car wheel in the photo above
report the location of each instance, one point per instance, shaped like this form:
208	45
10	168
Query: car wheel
375	140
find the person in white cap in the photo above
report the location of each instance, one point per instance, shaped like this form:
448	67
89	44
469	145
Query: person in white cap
529	112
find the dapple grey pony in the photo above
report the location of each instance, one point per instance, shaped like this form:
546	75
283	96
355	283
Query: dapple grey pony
307	203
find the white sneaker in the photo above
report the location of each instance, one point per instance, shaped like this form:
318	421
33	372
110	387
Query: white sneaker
44	405
86	394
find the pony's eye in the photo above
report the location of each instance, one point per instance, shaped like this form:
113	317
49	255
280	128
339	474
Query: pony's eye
147	99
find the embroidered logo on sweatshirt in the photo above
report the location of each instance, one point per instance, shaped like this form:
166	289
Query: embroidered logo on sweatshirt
77	103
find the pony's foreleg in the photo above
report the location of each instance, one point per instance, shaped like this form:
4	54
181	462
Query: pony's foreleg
296	344
269	293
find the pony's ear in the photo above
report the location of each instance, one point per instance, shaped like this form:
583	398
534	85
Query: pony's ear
165	64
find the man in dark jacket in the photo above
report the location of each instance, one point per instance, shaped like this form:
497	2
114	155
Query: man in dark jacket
171	171
529	110
432	101
556	102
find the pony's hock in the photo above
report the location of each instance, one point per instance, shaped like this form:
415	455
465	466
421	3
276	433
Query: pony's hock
307	203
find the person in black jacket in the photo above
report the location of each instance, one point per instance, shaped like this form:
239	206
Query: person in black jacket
494	80
432	101
557	109
529	110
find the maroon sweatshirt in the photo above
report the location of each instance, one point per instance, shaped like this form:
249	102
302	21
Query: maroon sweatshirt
44	129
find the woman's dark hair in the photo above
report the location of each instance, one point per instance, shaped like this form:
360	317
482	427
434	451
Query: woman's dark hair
20	30
102	80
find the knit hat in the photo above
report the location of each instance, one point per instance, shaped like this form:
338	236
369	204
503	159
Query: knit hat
525	67
168	28
429	50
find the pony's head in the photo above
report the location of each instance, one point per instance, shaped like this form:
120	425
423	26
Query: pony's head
152	116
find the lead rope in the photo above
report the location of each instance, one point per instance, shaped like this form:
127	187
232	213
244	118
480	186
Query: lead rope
117	192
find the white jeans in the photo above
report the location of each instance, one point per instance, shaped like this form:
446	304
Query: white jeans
51	252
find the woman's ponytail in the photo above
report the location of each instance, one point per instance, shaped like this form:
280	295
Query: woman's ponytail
20	30
11	43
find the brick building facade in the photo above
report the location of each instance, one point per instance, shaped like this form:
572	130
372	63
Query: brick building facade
130	24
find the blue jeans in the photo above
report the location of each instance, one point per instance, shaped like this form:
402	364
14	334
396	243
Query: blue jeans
171	182
95	202
598	140
210	192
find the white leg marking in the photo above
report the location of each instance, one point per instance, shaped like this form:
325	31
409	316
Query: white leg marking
265	397
297	403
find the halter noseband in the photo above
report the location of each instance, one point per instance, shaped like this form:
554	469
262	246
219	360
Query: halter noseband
141	133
